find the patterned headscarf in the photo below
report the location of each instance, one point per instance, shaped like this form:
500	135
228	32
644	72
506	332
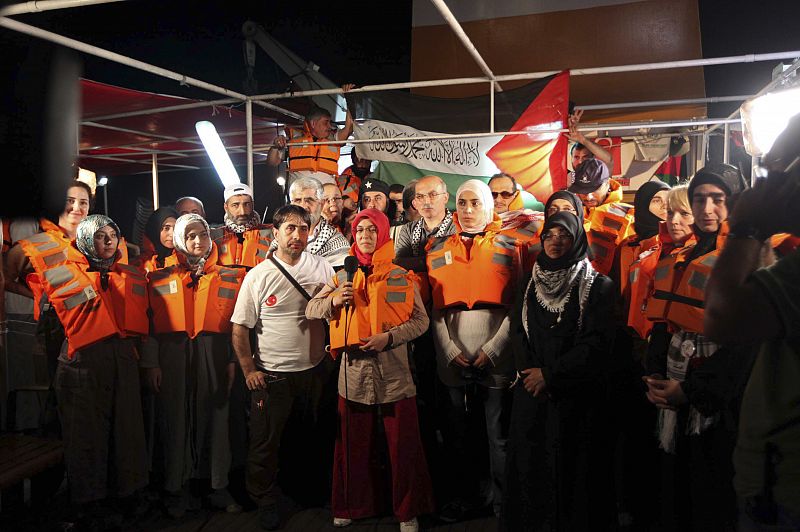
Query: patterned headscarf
179	239
484	193
84	239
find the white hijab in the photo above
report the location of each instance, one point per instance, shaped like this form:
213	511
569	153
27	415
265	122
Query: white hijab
484	194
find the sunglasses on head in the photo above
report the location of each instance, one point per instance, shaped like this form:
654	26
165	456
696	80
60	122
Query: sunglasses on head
504	194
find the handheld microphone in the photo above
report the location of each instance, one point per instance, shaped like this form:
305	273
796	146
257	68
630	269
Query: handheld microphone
350	267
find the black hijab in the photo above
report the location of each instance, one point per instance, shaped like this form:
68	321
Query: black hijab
570	197
645	222
580	246
152	229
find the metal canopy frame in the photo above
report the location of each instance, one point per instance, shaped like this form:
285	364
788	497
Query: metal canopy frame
490	78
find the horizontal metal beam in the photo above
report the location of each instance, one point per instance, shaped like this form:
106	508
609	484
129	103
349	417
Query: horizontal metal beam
167	109
664	103
640	67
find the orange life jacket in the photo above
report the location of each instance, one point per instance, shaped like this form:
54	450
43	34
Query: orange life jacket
483	275
784	243
151	264
315	158
349	184
679	286
606	226
381	301
180	305
90	313
46	250
250	252
528	235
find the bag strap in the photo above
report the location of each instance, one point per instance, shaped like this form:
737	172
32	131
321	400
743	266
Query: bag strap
290	278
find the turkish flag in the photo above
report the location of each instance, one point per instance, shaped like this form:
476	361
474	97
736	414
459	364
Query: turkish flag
538	161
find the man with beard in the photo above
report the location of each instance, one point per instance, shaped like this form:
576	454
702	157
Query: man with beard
324	239
243	240
287	363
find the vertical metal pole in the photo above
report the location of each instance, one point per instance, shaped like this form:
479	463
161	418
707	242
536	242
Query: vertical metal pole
491	106
726	150
155	181
701	161
105	199
248	107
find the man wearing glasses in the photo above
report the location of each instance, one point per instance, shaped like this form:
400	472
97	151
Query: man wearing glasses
522	224
430	201
334	210
324	239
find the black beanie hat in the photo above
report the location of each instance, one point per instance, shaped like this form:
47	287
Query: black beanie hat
725	176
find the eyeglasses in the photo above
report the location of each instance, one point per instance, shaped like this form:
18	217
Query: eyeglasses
429	196
561	237
334	199
371	230
505	194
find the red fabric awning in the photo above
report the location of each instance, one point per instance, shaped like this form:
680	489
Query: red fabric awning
125	145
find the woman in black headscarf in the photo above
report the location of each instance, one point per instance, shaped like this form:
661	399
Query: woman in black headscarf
564	200
158	245
557	462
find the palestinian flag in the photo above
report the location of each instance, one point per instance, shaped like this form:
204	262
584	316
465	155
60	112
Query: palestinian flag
536	160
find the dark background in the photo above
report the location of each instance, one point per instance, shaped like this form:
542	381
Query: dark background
354	41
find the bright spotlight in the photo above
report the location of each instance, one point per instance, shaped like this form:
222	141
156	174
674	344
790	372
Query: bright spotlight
103	181
216	152
281	180
765	117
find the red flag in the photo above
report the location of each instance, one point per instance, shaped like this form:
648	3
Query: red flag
538	161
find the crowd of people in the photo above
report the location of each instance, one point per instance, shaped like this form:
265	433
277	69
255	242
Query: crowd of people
580	368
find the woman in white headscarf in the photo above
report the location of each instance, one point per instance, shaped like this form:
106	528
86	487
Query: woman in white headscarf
473	276
191	304
102	304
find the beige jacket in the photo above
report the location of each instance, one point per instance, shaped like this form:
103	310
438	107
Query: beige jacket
383	377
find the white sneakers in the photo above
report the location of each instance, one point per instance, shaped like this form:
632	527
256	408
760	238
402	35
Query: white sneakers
341	522
409	526
405	526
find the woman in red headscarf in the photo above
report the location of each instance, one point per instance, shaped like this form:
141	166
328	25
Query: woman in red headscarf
373	315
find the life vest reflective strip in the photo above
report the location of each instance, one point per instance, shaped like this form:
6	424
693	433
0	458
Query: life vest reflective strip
485	275
629	251
89	313
349	184
606	226
315	158
249	253
679	287
381	302
640	277
44	251
529	238
206	307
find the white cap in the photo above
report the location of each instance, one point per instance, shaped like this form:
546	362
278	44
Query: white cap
235	190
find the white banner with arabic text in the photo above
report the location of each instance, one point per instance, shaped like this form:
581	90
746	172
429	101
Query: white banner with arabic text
453	156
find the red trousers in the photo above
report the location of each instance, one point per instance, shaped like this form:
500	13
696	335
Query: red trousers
358	494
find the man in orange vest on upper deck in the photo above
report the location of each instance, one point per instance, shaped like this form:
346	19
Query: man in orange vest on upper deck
320	161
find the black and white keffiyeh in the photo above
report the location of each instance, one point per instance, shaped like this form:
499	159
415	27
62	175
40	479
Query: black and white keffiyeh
252	222
417	245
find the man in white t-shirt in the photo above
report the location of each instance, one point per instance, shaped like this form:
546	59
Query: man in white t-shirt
286	365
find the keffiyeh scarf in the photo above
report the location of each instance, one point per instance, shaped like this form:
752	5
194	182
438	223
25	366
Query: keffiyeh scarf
417	245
